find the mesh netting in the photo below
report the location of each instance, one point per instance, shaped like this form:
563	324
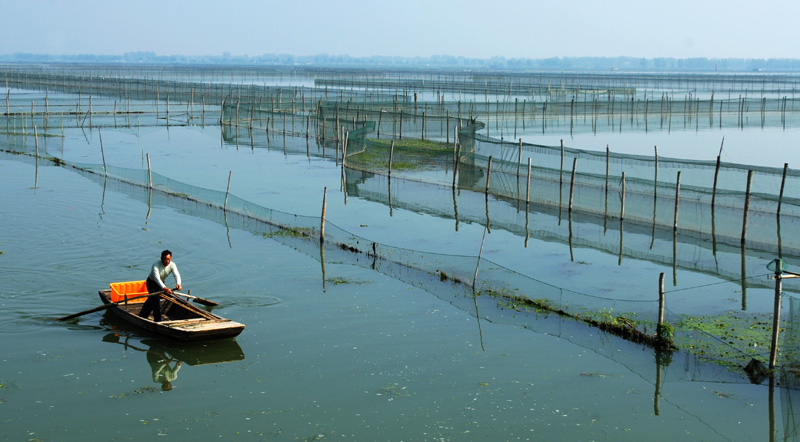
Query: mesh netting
440	161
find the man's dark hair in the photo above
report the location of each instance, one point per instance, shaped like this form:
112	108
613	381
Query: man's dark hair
165	253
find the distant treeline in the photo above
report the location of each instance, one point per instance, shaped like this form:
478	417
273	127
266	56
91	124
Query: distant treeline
444	61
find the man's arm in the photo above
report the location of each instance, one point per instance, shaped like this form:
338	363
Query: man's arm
177	275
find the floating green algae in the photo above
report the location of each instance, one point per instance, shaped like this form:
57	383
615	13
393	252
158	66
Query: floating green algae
730	339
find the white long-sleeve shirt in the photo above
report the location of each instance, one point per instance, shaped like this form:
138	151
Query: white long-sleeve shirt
165	372
159	273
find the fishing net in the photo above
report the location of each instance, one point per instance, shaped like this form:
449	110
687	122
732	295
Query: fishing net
441	163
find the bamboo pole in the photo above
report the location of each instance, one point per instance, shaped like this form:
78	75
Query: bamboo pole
457	152
423	125
572	183
528	186
716	170
322	219
561	169
746	204
391	158
714	189
401	124
655	176
102	153
149	173
608	161
677	201
622	207
344	148
660	305
783	182
227	191
480	252
488	175
447	125
776	317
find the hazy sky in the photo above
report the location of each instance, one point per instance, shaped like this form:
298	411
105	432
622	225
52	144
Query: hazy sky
480	29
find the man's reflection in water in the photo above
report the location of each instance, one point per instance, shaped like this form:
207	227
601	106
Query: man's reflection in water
166	357
163	373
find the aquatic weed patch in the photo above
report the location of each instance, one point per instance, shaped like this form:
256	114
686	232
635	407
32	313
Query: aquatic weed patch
407	154
730	339
427	145
624	326
339	281
290	232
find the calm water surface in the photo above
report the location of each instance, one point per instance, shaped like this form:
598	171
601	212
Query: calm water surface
360	356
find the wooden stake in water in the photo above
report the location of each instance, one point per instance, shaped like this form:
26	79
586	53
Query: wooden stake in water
488	175
401	124
783	182
528	186
561	169
480	252
456	154
747	203
776	315
322	221
227	191
622	207
391	158
608	161
344	148
102	153
423	125
661	301
572	182
677	201
714	189
655	177
716	173
149	173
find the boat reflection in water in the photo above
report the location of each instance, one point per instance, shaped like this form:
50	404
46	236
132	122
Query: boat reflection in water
166	357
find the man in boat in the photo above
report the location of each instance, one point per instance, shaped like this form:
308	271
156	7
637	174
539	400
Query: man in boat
155	283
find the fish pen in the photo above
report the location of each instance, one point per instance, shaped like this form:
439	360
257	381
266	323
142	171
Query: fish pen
449	144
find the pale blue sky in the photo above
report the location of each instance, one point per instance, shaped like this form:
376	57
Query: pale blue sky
480	29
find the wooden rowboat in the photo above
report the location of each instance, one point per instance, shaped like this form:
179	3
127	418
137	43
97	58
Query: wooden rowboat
179	319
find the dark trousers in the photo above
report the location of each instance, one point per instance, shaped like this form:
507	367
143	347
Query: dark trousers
153	303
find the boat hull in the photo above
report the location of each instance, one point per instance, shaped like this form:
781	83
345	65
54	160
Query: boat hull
182	320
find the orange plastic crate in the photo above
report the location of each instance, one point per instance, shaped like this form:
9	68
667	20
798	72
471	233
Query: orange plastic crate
130	288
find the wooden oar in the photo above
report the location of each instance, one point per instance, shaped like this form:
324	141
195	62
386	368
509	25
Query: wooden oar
109	305
198	300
